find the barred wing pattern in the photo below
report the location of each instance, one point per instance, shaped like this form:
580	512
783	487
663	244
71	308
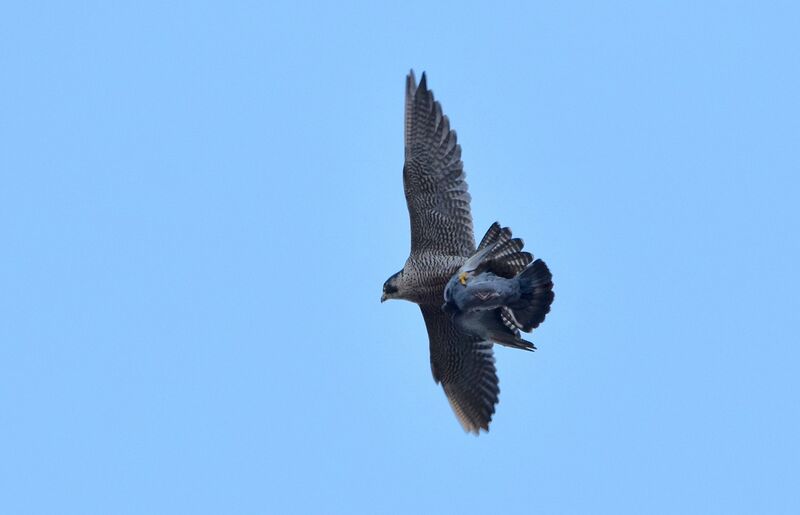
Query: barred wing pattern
433	178
464	365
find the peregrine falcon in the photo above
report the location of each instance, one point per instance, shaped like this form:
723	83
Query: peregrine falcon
442	241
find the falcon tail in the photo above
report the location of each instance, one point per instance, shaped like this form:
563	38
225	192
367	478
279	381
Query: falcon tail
536	287
500	253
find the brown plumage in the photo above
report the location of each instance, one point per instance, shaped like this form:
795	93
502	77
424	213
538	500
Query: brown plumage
441	241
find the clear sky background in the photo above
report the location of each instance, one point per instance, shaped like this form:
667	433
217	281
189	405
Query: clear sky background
199	205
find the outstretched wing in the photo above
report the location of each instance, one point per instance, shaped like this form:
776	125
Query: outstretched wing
464	365
433	177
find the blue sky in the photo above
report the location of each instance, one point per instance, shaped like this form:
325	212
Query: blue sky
199	205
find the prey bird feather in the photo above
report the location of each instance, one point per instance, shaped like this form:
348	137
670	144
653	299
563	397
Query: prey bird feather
485	310
486	299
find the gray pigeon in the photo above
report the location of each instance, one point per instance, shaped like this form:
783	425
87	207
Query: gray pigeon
486	299
442	240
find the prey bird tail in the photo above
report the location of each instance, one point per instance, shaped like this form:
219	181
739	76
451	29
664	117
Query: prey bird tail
536	295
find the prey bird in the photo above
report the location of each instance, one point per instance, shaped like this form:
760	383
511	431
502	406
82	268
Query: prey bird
442	242
488	299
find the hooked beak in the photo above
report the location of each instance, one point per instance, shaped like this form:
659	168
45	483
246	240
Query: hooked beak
383	298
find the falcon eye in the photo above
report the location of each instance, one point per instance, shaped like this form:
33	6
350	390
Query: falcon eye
388	288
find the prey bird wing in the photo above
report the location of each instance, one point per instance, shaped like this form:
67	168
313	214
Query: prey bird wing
433	178
464	365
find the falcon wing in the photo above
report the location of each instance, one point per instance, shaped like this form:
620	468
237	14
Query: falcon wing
433	177
465	367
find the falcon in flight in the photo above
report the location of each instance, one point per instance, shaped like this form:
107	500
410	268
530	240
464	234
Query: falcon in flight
442	242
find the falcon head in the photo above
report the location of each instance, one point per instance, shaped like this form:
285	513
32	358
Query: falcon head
391	288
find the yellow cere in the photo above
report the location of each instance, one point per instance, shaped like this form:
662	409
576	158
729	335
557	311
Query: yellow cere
462	278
